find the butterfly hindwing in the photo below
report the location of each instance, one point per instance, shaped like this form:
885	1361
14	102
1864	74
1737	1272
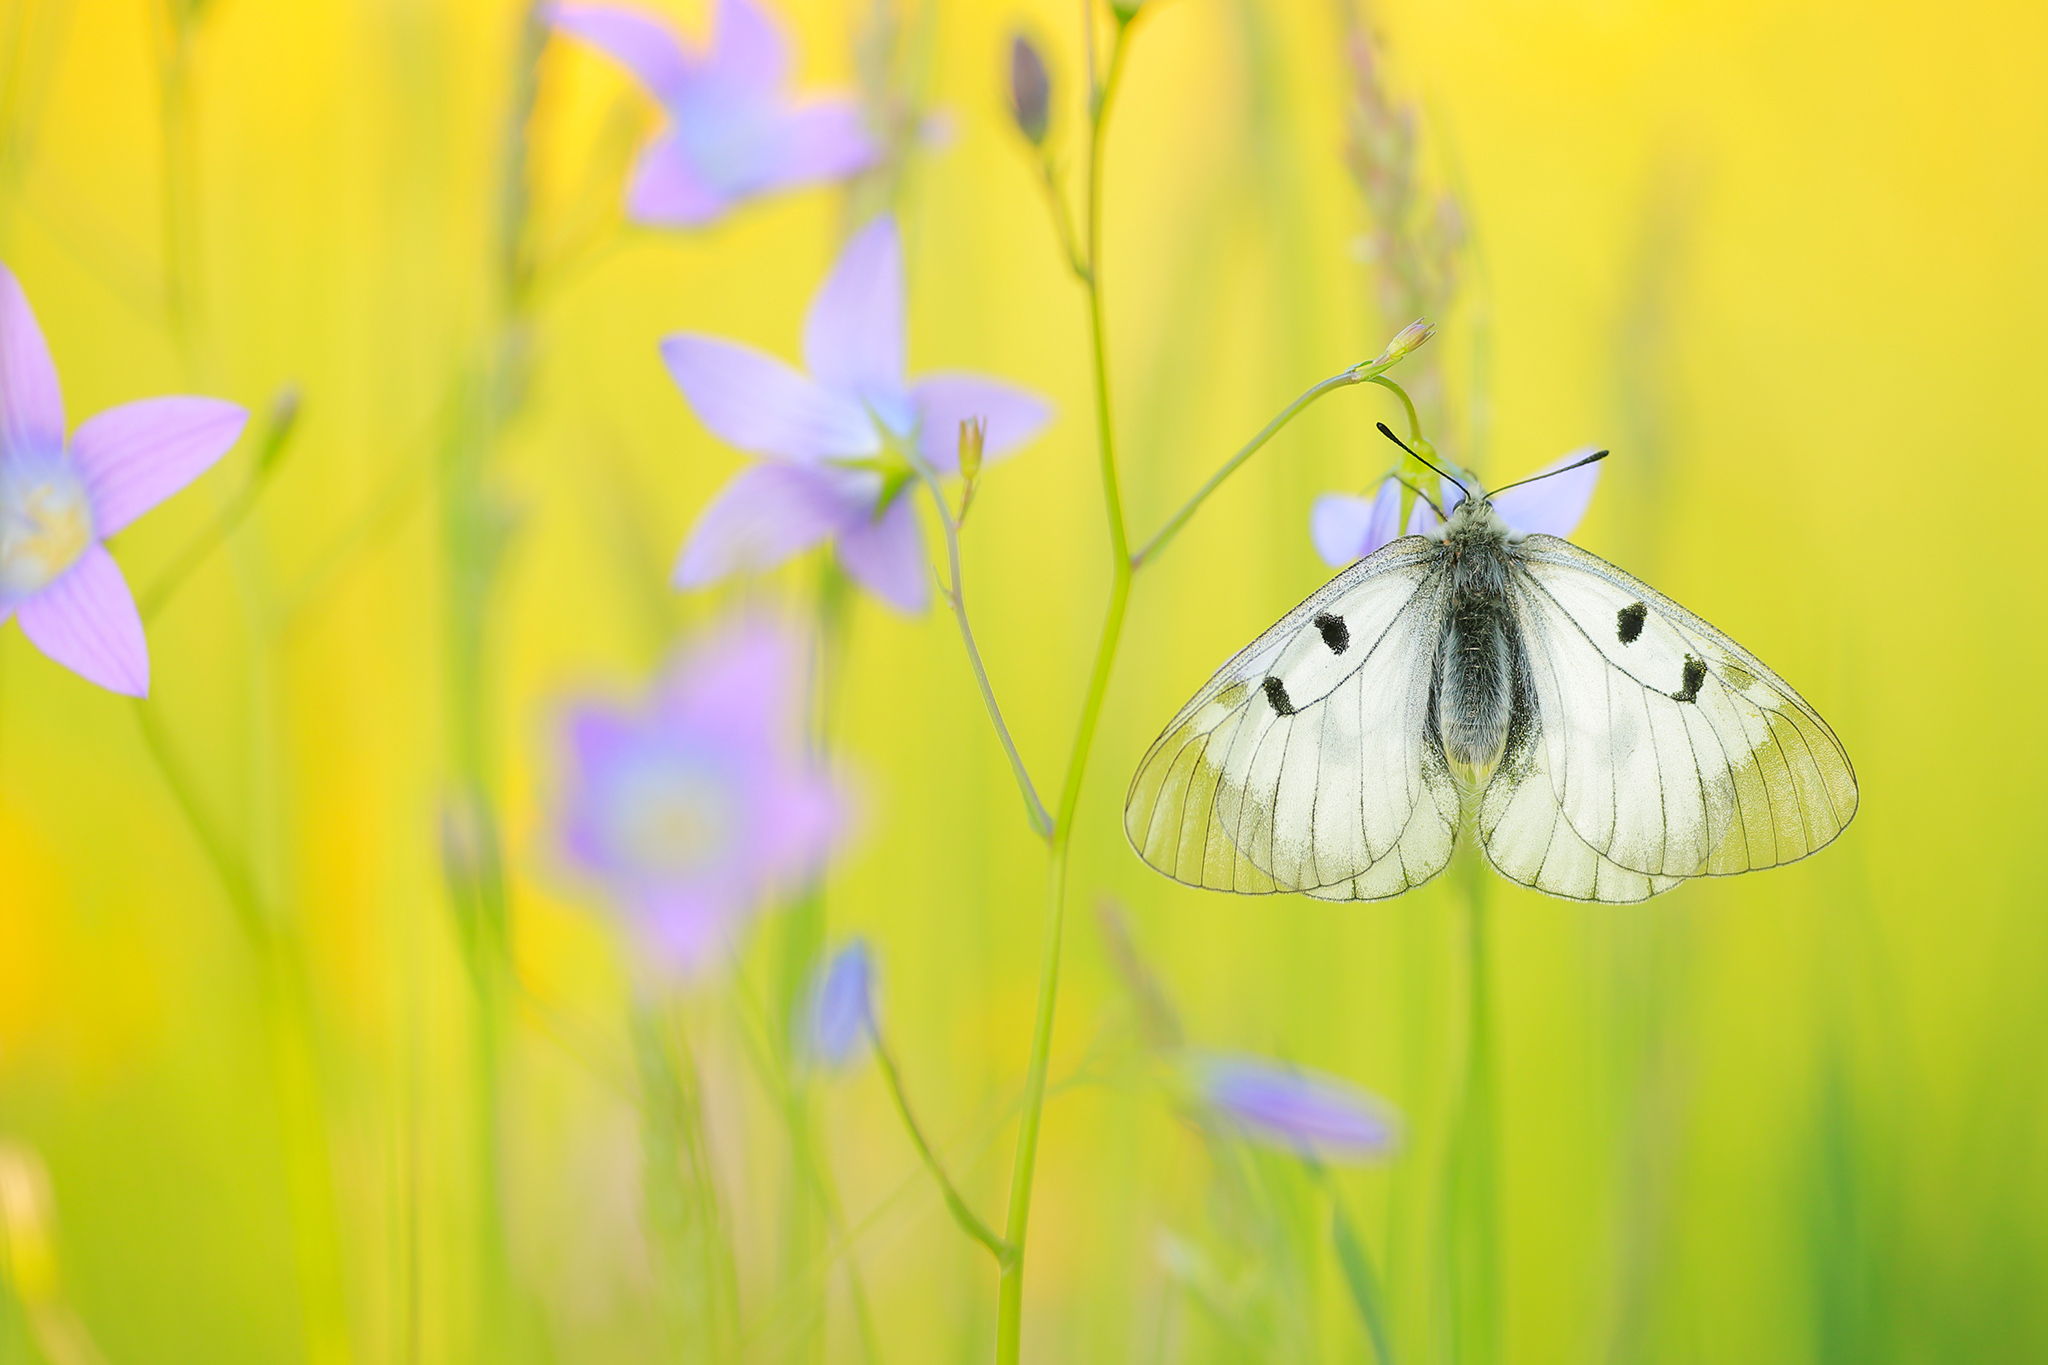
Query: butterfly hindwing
1657	748
1305	764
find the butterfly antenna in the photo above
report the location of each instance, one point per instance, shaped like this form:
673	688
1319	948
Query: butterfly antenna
1388	432
1590	459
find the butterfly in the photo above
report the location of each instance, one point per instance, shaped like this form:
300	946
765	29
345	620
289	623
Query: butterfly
1597	740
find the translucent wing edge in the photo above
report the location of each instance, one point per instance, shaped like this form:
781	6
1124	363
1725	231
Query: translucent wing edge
1173	765
1844	804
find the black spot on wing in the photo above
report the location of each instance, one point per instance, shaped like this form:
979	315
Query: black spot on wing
1276	693
1695	674
1629	622
1336	634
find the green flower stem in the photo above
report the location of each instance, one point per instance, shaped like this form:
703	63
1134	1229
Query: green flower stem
1414	421
969	1221
1474	1196
1357	374
1361	1280
1056	201
289	1027
1034	809
277	435
813	1201
1010	1282
476	531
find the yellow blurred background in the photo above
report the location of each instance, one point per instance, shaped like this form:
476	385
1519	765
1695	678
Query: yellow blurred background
1786	260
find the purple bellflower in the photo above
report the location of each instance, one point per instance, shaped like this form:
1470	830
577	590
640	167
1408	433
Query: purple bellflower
1301	1111
1346	527
733	132
694	808
837	444
59	501
840	1007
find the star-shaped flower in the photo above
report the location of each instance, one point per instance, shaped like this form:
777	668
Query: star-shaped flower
693	809
59	501
733	130
837	443
1346	528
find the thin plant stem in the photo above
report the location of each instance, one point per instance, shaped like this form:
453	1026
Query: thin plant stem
1056	202
476	530
969	1221
969	1148
780	1073
1473	1216
276	438
1407	403
1034	809
803	942
288	1026
1010	1282
1361	1279
1356	374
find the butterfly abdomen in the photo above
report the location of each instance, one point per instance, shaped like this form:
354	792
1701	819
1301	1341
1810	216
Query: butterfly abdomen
1475	665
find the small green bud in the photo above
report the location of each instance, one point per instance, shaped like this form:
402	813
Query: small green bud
284	418
1408	340
1125	10
973	437
1030	90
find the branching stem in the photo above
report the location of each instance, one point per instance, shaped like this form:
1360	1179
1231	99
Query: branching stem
1010	1284
1356	374
969	1221
956	597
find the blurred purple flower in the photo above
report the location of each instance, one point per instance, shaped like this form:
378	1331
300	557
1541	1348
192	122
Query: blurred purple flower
1301	1111
733	131
837	443
694	808
840	1007
58	504
1346	528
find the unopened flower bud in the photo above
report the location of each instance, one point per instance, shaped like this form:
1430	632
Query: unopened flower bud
1125	10
1030	89
284	417
973	436
841	1009
1408	340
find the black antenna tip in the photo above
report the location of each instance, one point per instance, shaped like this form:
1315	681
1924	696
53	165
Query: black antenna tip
1387	432
1596	455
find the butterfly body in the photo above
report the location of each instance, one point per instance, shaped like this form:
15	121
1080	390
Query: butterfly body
1597	740
1478	651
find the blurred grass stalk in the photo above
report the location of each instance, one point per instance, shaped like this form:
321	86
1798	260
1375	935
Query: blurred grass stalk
1010	1279
1084	255
290	1027
477	527
1410	246
810	1209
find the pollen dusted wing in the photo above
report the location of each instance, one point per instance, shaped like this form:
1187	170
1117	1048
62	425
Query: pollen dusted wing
1659	750
1308	762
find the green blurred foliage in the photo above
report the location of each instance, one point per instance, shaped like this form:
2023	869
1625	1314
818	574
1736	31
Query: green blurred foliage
1784	260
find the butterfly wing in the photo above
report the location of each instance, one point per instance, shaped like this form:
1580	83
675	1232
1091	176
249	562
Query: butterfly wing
1657	748
1307	763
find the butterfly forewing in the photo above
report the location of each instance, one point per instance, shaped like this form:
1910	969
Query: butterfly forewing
1305	763
1658	748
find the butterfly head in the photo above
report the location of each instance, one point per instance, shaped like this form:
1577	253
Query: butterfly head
1473	520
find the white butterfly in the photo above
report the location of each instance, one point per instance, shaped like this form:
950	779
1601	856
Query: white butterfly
1600	741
